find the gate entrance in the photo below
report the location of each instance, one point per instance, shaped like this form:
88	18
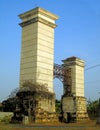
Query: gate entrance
58	88
64	75
58	75
36	93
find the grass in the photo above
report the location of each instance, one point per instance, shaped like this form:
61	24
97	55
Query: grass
83	125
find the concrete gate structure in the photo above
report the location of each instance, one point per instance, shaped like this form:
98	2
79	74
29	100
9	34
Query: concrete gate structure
37	67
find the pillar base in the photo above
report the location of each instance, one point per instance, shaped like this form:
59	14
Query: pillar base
44	116
38	106
74	108
81	109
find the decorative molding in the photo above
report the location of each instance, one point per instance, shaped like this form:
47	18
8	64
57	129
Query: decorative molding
37	19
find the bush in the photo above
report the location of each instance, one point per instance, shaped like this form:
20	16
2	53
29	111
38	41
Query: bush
6	119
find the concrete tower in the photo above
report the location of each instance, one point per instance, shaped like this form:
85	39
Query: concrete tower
37	53
73	100
37	63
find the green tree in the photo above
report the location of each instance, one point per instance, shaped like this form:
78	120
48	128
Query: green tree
58	106
92	108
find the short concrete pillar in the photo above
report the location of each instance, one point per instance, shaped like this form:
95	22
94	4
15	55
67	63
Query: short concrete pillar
26	120
73	100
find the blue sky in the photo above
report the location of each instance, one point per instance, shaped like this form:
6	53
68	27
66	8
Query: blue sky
77	34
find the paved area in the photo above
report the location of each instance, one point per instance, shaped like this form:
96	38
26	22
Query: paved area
83	125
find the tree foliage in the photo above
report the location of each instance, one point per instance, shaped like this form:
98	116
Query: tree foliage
9	105
58	106
92	108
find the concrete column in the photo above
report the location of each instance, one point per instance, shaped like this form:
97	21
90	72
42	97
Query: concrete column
75	75
37	53
73	100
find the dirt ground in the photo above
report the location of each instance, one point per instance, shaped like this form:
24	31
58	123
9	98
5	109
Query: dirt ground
83	125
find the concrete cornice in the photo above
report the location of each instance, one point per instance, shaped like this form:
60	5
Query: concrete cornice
73	61
48	14
38	10
37	19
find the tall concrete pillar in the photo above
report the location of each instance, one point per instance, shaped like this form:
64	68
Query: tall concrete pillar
73	100
37	63
37	52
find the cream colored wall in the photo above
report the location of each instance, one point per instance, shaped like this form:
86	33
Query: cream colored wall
28	53
37	56
77	75
78	80
45	55
73	75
